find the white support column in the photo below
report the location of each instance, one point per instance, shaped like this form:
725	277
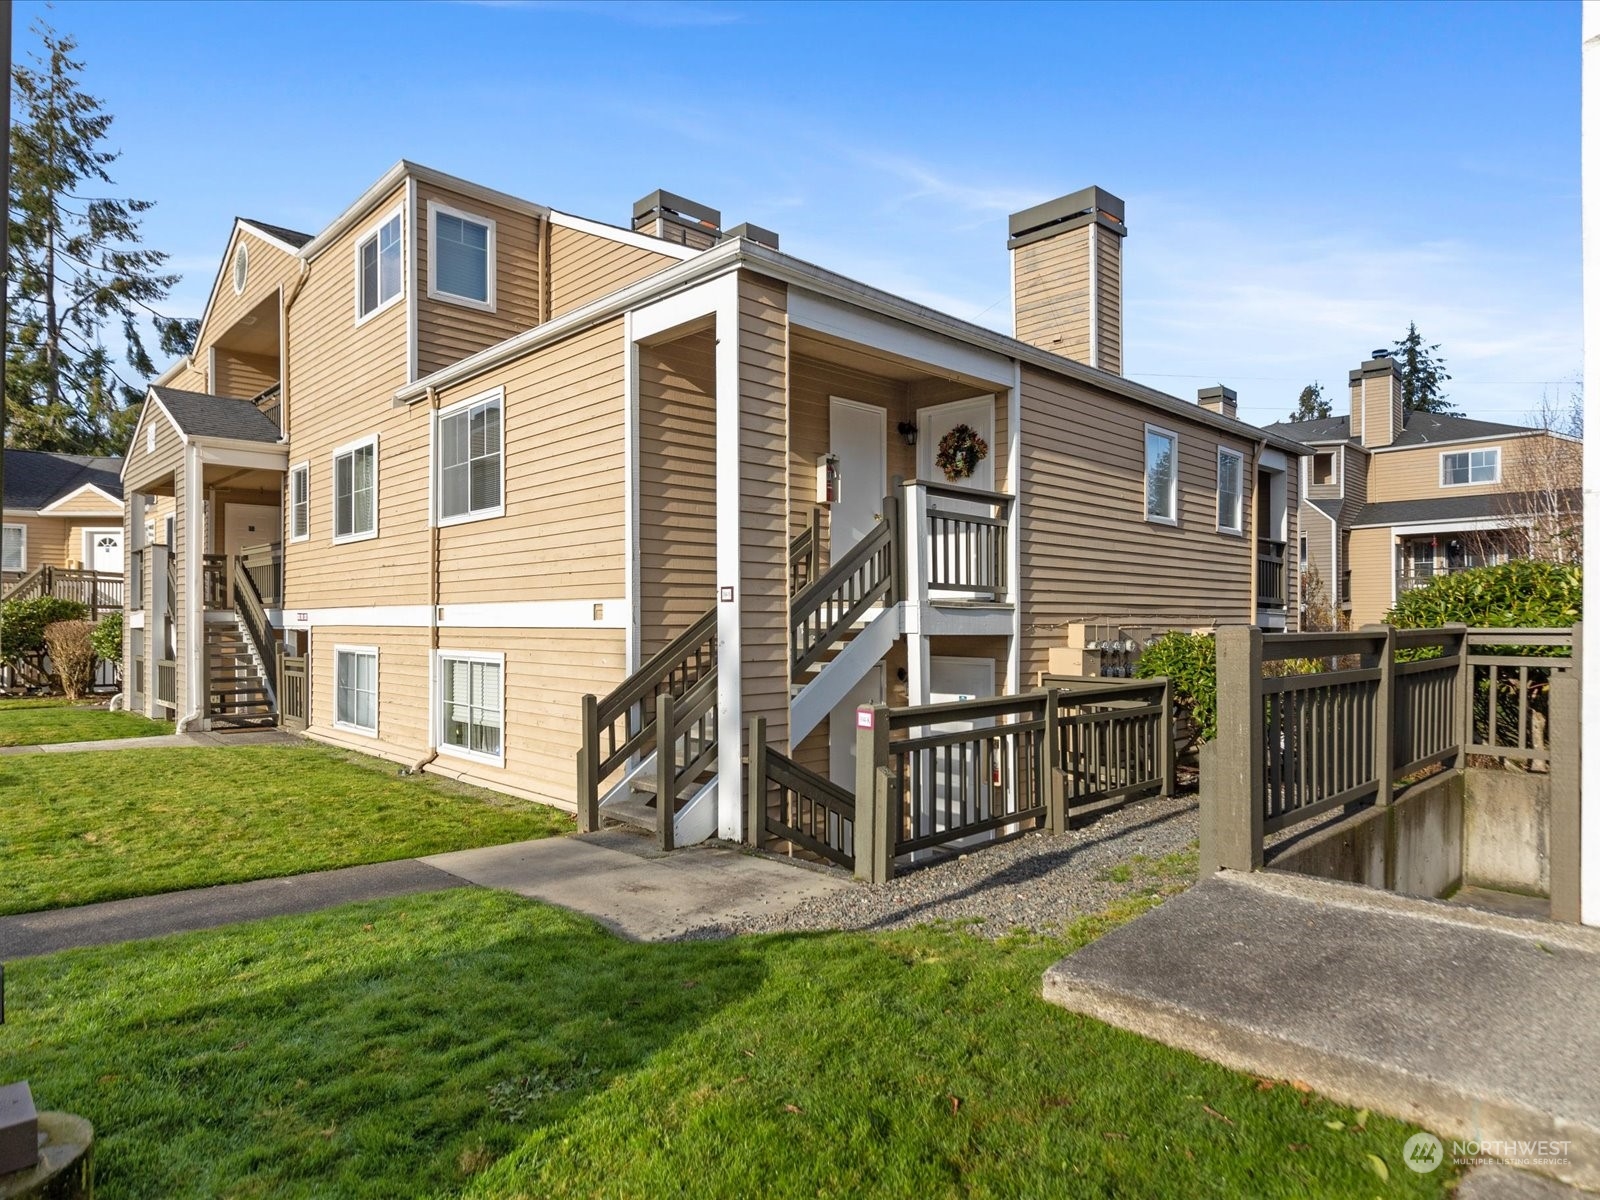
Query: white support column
630	490
192	654
914	603
1014	533
730	674
1590	803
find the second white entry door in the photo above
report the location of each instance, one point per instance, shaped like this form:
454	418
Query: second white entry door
858	438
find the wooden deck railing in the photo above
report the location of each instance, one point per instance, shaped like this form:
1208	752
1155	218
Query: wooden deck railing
686	749
216	581
785	802
98	591
621	725
264	565
1271	574
136	580
821	614
253	616
964	540
294	691
167	682
805	554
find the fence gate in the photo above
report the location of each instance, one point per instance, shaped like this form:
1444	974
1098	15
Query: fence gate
294	691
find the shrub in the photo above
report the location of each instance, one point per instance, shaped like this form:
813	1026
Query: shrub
22	624
1521	594
72	655
107	638
1189	661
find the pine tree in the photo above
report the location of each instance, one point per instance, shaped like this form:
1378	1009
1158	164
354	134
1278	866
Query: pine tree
1422	374
1311	406
78	272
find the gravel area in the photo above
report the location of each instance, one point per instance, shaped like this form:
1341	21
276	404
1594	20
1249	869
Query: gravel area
1038	881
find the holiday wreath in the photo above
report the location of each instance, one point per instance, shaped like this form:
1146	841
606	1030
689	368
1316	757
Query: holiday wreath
960	452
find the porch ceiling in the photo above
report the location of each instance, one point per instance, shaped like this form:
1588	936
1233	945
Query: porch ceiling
884	364
256	332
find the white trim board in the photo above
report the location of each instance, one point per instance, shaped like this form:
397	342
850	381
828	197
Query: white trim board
628	237
115	505
810	310
518	614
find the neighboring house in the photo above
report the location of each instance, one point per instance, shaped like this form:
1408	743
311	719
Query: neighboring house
510	458
1390	499
62	511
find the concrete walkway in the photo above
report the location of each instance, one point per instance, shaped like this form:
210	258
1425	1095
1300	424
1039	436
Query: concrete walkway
233	737
619	879
1475	1025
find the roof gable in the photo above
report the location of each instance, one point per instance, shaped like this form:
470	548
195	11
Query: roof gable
225	418
37	479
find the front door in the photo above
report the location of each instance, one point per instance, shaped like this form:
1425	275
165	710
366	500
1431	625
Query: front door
959	554
858	436
103	550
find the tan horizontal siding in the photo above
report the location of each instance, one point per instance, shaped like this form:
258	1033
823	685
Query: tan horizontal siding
1415	474
1087	551
191	378
1108	314
243	375
448	331
270	268
1051	297
584	267
402	690
89	504
48	541
563	533
1371	575
340	386
142	467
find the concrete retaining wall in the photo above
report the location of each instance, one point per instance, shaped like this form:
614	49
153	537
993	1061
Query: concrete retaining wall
1507	842
1414	846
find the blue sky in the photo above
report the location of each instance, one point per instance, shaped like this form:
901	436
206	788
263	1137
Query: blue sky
1301	180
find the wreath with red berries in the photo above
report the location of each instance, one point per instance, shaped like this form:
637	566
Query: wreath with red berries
960	452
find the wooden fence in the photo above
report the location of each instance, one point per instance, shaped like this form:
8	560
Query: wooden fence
1292	748
294	691
952	776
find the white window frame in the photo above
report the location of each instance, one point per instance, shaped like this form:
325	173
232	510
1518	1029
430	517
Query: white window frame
1444	482
1224	452
333	490
377	690
434	292
442	657
373	231
1336	476
436	490
23	530
302	471
1144	499
241	269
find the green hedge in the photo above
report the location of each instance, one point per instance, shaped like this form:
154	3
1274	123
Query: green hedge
22	624
107	638
1524	595
1189	661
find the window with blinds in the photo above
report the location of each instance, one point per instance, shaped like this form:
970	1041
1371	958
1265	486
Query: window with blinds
355	492
460	257
1230	491
355	692
472	705
380	274
300	503
471	463
15	556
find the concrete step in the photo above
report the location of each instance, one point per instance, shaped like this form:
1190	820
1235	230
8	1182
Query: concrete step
637	810
1472	1024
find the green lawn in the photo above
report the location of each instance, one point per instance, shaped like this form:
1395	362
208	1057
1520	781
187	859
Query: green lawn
81	827
42	722
472	1044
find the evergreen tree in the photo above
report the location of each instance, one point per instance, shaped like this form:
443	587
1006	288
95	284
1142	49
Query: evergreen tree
1422	374
1311	406
78	272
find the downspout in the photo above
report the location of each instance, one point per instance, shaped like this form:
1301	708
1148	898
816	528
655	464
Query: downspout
426	760
283	346
544	268
1252	539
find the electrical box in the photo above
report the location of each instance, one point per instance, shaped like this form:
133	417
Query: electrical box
828	491
1098	651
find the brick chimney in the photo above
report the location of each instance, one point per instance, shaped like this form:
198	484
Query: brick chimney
1377	411
674	219
1220	399
1066	277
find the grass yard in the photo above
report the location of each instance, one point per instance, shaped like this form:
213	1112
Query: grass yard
81	827
472	1044
48	721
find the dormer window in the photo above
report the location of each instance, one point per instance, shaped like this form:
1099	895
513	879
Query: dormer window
380	277
241	269
460	257
1322	469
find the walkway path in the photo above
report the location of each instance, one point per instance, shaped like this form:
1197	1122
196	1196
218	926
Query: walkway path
620	879
232	737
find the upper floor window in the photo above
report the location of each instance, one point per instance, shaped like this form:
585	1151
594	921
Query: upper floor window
1230	491
1470	466
15	552
460	257
355	491
300	503
380	274
1322	469
471	465
1160	475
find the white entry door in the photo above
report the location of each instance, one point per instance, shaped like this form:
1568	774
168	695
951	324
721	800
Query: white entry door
842	727
102	550
858	436
954	552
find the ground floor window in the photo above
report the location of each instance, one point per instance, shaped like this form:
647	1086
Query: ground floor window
355	699
472	704
15	553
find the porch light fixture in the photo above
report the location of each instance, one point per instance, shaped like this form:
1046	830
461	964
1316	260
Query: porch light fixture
908	430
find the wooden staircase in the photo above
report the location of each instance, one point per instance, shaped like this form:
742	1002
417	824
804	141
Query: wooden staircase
237	695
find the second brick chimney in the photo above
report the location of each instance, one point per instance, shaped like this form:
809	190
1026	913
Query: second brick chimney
1066	277
1377	410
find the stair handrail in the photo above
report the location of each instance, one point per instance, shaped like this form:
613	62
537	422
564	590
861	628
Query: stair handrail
821	613
805	550
675	668
691	718
257	625
814	813
30	585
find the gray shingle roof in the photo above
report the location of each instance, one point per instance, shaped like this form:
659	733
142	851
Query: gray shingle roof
293	237
201	415
1422	429
1446	508
38	478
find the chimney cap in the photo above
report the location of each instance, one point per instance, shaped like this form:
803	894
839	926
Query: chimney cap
1067	213
1218	393
754	233
689	211
1381	353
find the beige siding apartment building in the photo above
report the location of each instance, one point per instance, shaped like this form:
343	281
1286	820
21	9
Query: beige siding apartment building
459	461
61	511
1391	499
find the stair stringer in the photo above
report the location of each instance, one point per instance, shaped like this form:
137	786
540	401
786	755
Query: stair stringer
812	703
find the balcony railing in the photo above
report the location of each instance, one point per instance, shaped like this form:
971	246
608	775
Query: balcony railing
1271	588
958	540
1421	574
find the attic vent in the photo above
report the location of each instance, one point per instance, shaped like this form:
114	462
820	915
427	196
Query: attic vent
241	268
